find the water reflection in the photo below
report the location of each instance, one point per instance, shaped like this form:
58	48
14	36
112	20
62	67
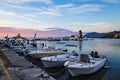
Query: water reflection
62	74
96	76
108	47
80	46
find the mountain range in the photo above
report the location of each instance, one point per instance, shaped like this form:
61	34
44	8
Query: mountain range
113	34
54	32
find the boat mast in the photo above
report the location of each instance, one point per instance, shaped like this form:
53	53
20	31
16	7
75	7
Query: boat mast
80	38
34	37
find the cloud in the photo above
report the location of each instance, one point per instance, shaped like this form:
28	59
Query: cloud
65	6
86	8
27	1
101	24
80	0
30	15
46	12
9	13
59	29
54	11
20	7
24	24
97	26
112	1
77	23
27	18
49	12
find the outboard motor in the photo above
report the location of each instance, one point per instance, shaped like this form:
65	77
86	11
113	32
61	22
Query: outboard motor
74	53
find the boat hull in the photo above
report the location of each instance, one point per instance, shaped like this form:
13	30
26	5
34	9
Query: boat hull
83	71
44	53
41	55
50	64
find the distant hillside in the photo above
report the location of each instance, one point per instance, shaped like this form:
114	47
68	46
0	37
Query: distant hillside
94	35
114	34
50	32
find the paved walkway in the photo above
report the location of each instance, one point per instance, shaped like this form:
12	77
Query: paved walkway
23	69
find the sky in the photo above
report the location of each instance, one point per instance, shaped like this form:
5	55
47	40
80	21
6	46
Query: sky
70	15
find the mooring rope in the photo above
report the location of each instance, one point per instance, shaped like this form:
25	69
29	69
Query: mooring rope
57	73
5	70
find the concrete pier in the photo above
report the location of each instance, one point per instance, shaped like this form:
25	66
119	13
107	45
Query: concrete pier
22	69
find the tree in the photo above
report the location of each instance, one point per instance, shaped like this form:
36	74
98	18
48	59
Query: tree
18	36
80	34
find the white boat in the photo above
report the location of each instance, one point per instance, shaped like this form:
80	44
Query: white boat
86	65
45	52
58	60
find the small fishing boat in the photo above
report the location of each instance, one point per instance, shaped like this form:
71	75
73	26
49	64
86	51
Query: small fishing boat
86	65
58	60
45	52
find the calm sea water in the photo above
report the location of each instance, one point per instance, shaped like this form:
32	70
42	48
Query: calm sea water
108	47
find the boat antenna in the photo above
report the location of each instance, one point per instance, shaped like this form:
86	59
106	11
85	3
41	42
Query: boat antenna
7	35
34	36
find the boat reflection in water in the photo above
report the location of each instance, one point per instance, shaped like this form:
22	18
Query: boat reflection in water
95	76
61	74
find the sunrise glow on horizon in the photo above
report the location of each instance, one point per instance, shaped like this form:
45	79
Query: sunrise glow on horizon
71	15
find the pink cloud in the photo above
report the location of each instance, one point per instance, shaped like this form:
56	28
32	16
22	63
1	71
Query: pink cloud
51	32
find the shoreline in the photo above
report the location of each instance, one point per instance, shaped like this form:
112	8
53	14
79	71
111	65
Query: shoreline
20	68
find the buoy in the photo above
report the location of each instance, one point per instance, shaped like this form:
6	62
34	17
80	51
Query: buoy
106	67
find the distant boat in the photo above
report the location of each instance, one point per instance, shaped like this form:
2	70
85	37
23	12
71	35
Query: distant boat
91	39
58	60
71	45
86	65
85	39
59	42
